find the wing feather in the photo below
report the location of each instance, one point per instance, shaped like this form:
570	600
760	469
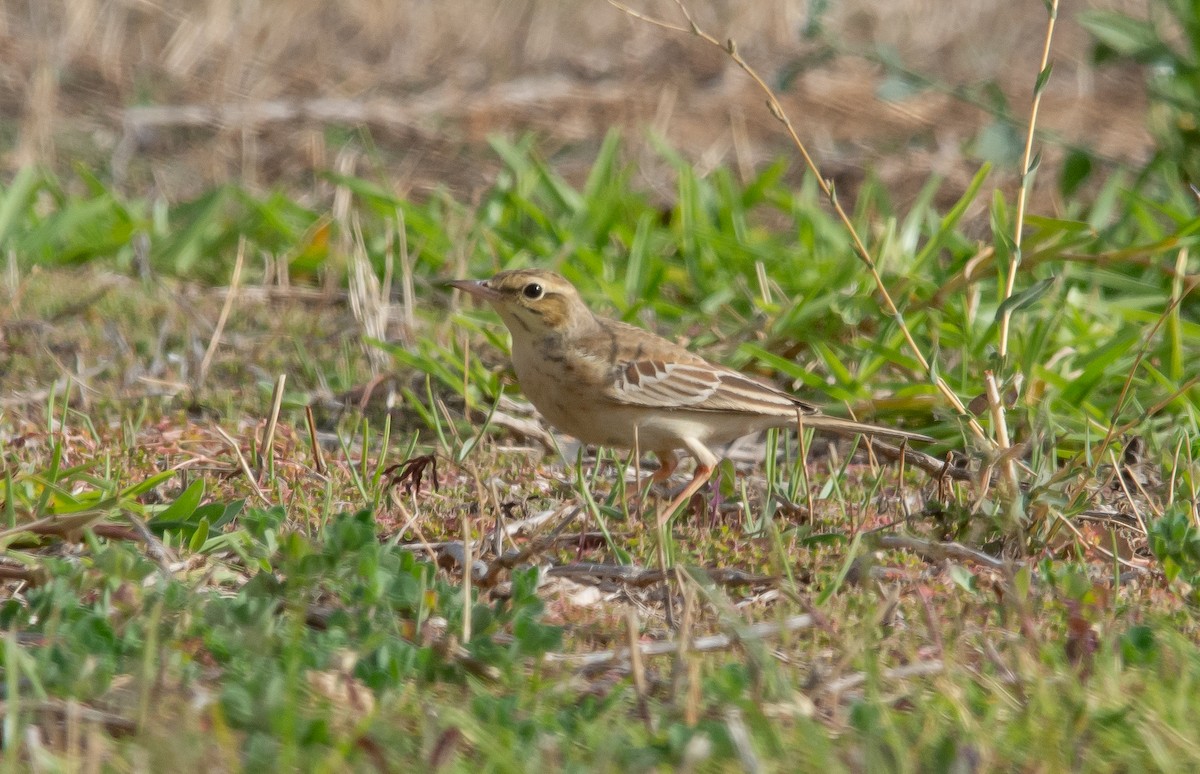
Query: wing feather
700	387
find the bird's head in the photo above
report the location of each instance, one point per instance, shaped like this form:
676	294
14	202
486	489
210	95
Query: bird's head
531	302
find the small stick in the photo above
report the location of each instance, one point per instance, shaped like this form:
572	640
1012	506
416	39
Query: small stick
265	453
934	551
918	669
318	457
1000	427
466	615
637	668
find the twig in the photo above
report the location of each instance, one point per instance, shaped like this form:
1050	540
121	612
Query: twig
467	561
413	522
407	294
1119	475
33	576
918	669
370	299
318	457
1089	545
1114	430
526	428
641	576
637	668
934	551
933	466
1000	426
116	725
265	453
712	642
422	115
742	743
484	573
534	547
531	522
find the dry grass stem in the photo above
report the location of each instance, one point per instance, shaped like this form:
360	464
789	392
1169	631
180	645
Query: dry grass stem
1014	261
223	317
995	402
826	187
244	464
934	551
370	299
266	450
314	445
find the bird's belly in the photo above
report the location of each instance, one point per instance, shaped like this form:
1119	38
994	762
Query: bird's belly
574	407
667	429
578	413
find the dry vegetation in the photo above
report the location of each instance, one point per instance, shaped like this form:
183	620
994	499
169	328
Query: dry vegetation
182	95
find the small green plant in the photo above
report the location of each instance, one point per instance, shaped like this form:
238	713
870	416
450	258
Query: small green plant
1168	43
1175	542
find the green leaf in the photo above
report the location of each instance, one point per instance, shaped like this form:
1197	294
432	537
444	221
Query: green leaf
142	487
999	143
1076	169
1139	645
1034	163
1127	36
199	537
950	221
1024	299
1042	78
17	198
184	505
377	197
228	512
1103	361
963	578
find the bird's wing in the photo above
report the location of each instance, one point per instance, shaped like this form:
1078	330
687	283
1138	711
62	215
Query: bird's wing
642	369
699	386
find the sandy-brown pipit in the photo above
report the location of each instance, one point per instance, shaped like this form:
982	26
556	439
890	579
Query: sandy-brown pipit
609	383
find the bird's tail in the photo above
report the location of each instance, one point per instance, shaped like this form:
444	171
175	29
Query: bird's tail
850	427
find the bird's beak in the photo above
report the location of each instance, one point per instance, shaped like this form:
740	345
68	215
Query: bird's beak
476	288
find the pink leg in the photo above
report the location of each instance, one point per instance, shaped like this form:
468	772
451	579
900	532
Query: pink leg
706	463
668	461
703	473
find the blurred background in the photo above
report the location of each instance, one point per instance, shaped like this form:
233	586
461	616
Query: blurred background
172	97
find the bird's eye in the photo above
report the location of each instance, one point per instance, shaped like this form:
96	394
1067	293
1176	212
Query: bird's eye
533	291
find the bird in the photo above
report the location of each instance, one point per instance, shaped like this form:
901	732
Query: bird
609	383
